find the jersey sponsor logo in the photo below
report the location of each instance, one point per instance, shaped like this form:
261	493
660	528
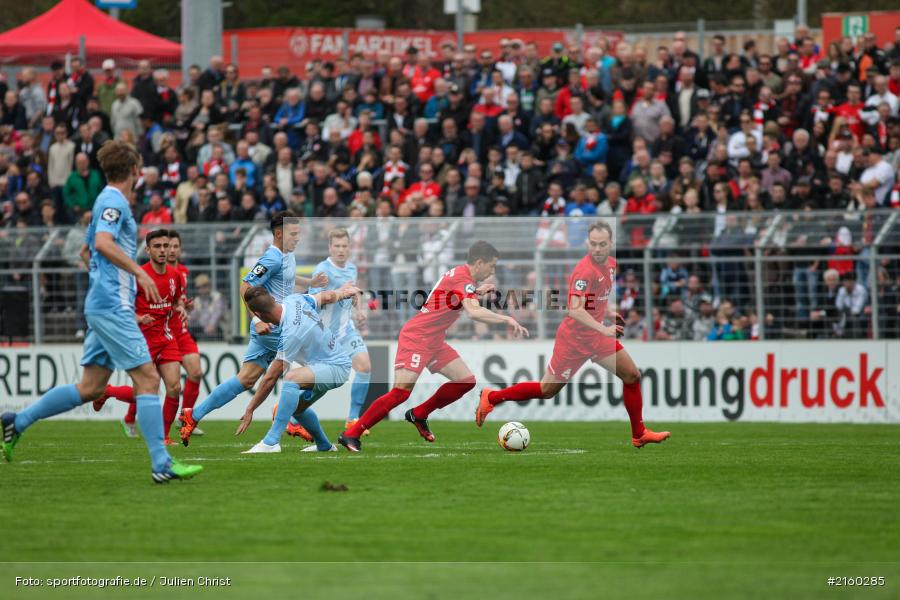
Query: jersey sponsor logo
111	215
259	270
470	288
581	285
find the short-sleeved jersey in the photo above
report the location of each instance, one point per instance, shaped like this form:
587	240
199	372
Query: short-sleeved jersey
274	271
171	289
444	304
176	325
594	282
304	337
111	288
338	315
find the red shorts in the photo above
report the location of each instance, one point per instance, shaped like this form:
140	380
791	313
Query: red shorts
570	353
186	343
415	355
163	350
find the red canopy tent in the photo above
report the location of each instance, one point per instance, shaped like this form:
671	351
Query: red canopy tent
59	31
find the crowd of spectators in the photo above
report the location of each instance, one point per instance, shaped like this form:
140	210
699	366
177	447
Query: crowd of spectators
472	132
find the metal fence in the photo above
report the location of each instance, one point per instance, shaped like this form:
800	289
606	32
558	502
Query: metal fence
751	275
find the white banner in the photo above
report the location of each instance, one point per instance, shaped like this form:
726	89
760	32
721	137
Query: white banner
849	382
28	372
802	382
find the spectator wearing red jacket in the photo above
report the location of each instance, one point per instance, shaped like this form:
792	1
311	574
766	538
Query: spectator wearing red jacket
641	202
426	185
157	213
849	111
355	140
488	106
563	105
422	78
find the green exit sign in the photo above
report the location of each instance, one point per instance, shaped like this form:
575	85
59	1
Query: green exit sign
856	25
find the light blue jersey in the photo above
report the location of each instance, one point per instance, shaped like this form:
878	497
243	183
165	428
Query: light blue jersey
305	338
111	289
338	316
274	271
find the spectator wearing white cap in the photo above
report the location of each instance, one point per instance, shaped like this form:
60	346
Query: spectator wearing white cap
106	88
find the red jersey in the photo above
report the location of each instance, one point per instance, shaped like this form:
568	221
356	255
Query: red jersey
851	113
171	289
443	306
176	325
422	82
426	189
594	282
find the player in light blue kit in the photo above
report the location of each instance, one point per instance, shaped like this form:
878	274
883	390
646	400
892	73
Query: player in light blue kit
113	339
275	271
341	317
305	339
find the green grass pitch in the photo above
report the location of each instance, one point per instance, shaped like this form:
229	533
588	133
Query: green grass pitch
719	511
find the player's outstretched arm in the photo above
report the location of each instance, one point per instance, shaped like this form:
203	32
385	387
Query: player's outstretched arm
348	290
266	384
479	313
583	317
318	280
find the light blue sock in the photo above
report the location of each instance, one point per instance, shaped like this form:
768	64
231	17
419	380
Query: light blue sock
305	396
358	392
149	417
227	391
310	422
287	404
58	400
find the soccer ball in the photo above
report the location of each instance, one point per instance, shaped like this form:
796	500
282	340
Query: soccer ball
514	437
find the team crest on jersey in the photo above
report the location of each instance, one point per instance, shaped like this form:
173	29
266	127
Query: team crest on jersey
581	285
470	288
259	270
111	215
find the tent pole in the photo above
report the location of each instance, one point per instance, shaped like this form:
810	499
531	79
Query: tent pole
81	50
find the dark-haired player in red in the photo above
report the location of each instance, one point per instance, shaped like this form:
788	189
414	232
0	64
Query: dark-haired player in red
422	344
583	336
155	321
190	354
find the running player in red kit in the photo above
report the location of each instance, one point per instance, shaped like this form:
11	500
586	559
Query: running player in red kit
155	321
583	336
422	344
190	354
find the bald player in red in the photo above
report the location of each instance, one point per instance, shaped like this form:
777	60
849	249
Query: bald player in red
422	344
156	321
583	336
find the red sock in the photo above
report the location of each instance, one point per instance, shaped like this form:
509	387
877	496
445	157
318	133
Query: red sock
125	393
189	396
527	390
377	411
170	410
448	393
634	404
132	413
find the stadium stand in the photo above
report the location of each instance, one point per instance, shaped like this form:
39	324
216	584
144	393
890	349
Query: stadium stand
755	194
